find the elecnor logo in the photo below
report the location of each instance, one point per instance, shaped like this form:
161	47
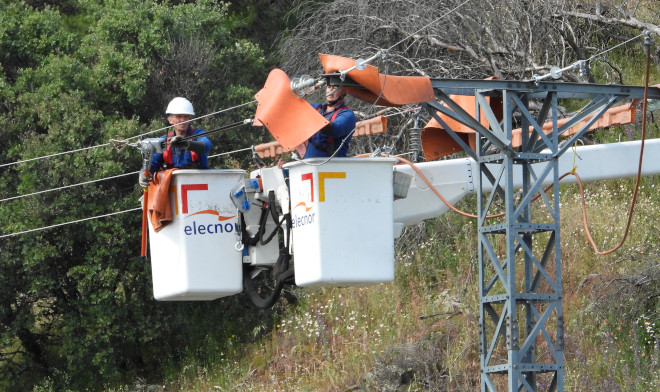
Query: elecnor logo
301	212
302	217
197	228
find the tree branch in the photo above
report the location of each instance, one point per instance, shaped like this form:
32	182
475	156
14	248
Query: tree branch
630	22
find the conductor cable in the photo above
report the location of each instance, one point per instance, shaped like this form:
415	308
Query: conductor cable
71	222
429	24
192	119
119	142
68	186
104	179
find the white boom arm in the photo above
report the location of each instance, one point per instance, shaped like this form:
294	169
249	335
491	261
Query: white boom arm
456	178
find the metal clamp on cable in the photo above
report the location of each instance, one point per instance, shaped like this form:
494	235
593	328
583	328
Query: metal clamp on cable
584	68
361	64
556	72
257	159
647	39
118	144
376	153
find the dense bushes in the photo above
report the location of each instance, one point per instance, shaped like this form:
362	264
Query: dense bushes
76	308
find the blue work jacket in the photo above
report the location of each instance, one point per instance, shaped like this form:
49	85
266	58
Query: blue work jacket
324	144
181	158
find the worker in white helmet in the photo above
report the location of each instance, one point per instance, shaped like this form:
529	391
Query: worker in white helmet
186	148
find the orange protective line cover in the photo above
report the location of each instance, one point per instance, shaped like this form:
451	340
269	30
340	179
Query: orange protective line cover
618	115
436	142
368	127
381	89
160	211
291	120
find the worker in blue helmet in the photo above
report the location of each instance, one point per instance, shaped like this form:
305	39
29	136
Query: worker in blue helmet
186	148
336	136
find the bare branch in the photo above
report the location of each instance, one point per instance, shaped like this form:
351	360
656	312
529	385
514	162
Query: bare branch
630	21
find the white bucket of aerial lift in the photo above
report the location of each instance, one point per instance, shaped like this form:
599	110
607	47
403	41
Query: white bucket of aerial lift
195	257
342	214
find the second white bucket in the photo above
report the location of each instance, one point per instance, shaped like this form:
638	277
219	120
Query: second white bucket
342	219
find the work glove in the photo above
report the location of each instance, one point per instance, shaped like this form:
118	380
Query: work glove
197	147
327	130
143	180
179	142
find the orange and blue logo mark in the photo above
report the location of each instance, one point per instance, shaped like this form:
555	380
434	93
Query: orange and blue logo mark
197	228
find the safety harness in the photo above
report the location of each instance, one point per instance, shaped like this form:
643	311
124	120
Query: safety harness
167	154
330	146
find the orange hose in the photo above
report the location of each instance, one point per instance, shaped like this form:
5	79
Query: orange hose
579	181
437	193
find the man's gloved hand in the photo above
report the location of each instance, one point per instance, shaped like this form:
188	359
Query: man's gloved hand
179	142
143	180
327	130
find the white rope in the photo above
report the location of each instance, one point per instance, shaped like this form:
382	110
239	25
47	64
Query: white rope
401	113
331	156
69	223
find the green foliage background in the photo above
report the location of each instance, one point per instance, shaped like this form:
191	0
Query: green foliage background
76	307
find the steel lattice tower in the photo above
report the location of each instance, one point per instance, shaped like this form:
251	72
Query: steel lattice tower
521	326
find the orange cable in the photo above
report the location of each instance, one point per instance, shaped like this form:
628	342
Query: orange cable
437	193
637	179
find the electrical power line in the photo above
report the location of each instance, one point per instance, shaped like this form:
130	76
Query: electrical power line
69	223
68	186
614	47
53	155
89	182
193	119
103	179
124	140
230	152
429	24
556	73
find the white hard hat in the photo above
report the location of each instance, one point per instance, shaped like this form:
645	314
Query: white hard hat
180	105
